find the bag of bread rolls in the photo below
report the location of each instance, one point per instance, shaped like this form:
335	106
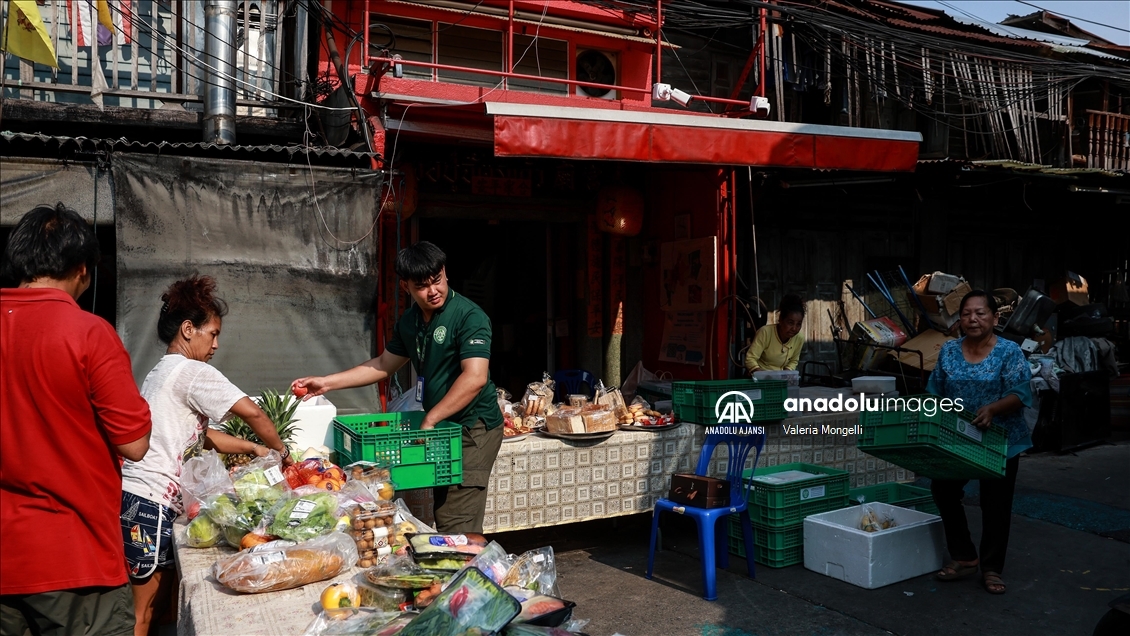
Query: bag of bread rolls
282	565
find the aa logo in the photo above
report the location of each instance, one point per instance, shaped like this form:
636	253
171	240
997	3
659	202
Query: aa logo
734	407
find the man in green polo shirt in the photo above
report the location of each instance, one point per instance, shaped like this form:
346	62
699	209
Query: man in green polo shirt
447	338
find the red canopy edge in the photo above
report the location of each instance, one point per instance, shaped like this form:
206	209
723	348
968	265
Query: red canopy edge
578	133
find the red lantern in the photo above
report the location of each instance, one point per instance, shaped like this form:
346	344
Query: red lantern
619	210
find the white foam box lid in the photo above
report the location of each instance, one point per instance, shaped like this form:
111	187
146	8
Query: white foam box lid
792	377
834	545
872	384
785	477
315	419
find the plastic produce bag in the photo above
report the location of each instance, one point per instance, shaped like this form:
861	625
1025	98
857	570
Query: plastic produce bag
874	521
538	400
370	622
202	532
376	477
535	570
632	383
493	561
472	601
308	514
202	477
282	565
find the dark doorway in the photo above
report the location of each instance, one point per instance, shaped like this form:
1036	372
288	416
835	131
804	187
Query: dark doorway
501	266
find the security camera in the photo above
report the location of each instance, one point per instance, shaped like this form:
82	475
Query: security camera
679	96
759	106
661	92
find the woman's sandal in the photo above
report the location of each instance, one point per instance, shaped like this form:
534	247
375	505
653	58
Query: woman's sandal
956	571
993	583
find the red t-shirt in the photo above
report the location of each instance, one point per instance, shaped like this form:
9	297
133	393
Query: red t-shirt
67	398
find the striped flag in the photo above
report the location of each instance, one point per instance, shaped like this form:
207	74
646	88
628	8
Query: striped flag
100	22
81	14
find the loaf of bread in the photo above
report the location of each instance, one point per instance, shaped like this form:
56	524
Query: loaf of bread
282	565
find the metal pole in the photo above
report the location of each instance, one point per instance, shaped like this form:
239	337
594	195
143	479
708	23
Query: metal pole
219	88
658	40
761	56
510	45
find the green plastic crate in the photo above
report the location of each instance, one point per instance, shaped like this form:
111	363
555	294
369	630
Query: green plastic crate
943	446
695	401
771	557
770	538
784	505
418	458
896	494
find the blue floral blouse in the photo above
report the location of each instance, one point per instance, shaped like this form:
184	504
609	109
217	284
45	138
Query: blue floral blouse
1005	371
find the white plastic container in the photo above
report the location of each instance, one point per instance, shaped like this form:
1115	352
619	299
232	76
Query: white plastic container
315	419
790	377
834	545
873	384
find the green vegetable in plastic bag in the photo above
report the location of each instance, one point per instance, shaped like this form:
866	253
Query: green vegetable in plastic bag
203	532
223	509
306	517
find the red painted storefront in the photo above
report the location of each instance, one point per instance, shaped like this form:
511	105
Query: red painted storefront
688	160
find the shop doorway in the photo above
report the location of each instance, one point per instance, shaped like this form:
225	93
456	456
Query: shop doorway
501	266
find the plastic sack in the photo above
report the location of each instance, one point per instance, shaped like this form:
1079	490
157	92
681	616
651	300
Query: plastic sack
632	383
401	572
613	399
538	400
202	477
309	513
370	622
535	570
376	477
522	629
404	403
315	471
281	565
202	532
493	561
873	520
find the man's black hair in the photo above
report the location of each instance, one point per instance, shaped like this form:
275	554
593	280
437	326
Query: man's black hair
50	241
791	304
420	263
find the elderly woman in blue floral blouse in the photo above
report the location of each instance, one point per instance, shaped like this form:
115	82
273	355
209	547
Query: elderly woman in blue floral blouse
992	378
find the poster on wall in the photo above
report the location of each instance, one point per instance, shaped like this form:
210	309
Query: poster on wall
689	275
685	336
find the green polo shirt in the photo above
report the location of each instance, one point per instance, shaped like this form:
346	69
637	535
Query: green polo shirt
459	330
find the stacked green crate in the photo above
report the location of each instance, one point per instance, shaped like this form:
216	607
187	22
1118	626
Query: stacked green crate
777	510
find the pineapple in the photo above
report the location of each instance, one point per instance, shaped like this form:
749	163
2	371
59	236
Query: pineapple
280	409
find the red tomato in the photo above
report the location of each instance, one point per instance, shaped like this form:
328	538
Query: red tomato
193	510
300	391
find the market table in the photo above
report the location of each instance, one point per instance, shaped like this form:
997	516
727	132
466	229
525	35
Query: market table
207	608
541	481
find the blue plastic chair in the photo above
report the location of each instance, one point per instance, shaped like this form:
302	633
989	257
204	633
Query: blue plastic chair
569	382
712	535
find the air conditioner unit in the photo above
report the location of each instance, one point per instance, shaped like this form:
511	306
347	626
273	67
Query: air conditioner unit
599	67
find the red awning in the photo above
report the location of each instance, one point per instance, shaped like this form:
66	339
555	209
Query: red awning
526	130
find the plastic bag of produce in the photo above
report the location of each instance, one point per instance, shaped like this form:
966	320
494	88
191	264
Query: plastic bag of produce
366	621
535	570
308	513
472	601
493	561
202	477
262	478
873	520
202	532
282	565
376	477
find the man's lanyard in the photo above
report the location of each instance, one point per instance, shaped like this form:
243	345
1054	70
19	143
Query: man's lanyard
421	338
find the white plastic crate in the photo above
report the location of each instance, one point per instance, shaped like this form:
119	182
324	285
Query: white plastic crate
834	545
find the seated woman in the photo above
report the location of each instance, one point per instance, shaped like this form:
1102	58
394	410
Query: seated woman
777	347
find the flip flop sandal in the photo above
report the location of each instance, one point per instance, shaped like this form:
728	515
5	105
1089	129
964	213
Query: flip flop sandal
955	571
992	583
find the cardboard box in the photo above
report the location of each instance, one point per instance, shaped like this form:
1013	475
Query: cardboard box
942	284
882	331
835	546
948	303
929	343
1068	290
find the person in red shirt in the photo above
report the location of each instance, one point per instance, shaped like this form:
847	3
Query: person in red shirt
70	410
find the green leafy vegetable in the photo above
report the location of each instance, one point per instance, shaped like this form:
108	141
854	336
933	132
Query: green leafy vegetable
203	532
305	518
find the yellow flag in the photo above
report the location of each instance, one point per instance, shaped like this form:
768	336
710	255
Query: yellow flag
104	16
26	36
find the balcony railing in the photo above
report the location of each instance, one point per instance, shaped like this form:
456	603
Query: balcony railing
155	56
1108	140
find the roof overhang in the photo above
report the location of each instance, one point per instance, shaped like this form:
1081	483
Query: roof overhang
530	130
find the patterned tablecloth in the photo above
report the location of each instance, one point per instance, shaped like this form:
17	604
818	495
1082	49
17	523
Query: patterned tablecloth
210	609
542	481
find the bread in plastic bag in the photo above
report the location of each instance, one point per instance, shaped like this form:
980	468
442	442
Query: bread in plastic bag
615	400
282	565
535	570
874	520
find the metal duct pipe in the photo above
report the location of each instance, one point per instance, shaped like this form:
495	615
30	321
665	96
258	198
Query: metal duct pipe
219	74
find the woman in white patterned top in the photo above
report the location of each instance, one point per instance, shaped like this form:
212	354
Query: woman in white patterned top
184	392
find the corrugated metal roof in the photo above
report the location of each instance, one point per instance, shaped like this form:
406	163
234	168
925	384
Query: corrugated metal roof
263	153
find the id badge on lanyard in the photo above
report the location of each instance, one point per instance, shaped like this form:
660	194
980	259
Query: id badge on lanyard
420	389
421	351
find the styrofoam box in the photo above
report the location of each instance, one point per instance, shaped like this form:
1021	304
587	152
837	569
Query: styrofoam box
791	377
315	420
872	384
836	547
